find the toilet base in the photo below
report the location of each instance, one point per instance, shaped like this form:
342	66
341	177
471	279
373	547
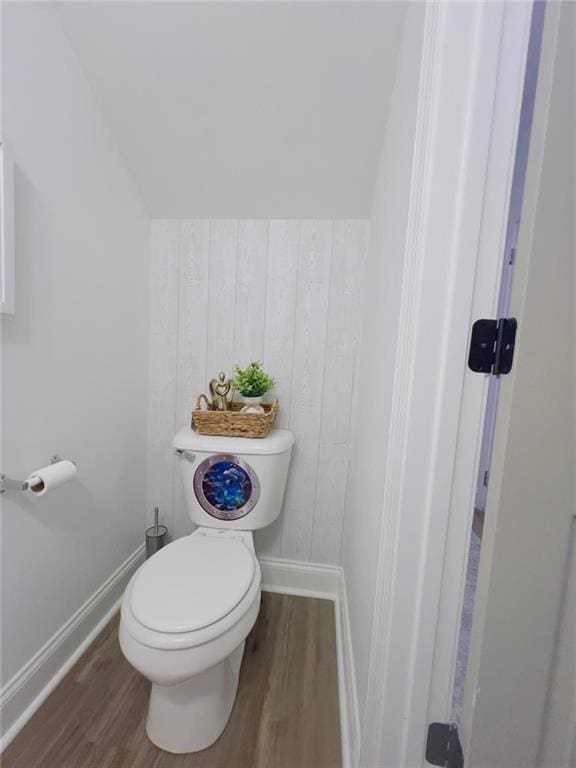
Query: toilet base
190	716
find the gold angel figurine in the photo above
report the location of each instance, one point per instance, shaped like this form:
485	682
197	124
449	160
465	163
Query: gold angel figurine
222	392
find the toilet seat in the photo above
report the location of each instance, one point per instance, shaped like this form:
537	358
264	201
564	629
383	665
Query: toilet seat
191	592
191	584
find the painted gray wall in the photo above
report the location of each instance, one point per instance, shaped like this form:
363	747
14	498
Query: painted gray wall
74	374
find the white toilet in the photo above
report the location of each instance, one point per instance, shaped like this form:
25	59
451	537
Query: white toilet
187	611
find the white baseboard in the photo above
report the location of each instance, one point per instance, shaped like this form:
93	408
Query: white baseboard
31	685
291	577
349	710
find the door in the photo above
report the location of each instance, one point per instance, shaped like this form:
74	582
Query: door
521	683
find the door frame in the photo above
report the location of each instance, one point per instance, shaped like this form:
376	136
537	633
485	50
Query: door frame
513	232
538	144
471	85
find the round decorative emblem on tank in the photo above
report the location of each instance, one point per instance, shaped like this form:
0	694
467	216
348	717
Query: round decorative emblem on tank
226	486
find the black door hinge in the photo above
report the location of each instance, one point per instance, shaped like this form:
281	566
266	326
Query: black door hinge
492	346
443	746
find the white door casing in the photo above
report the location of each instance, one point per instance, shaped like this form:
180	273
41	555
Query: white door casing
523	587
472	74
509	254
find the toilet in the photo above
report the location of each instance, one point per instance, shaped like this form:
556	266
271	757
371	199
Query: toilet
187	611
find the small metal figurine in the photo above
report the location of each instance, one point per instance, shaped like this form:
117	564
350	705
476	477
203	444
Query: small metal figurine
222	392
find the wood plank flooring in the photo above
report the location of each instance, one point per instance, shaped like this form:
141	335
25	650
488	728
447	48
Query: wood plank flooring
285	716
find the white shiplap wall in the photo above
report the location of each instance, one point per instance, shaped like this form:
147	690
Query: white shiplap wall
285	292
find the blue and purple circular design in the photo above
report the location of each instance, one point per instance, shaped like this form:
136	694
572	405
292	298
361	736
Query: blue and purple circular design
226	486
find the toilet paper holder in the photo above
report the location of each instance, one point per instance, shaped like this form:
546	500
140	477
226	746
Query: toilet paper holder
8	484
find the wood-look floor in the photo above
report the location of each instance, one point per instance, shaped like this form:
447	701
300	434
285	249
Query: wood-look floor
285	716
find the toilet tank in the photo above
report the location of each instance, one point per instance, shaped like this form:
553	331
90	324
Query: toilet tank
234	482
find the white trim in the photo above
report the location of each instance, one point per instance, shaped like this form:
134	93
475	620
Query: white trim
35	681
459	131
349	709
293	577
515	34
290	577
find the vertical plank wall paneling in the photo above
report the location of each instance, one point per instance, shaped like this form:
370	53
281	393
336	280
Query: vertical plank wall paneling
314	263
348	249
192	312
222	296
282	291
251	273
280	324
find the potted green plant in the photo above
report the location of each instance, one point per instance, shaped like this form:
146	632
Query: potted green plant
252	383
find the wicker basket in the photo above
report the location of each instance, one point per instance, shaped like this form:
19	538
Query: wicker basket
233	423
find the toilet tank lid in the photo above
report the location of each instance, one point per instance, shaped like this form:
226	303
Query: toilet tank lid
278	441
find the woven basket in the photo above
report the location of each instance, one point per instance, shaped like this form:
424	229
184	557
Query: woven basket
233	423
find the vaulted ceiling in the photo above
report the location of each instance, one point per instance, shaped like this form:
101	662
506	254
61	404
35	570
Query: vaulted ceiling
243	109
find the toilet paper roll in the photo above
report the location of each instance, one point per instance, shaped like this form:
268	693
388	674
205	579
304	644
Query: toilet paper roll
45	479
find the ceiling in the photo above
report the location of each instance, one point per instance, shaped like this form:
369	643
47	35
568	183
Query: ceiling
243	109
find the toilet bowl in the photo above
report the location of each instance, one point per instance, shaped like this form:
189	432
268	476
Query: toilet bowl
184	619
188	610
